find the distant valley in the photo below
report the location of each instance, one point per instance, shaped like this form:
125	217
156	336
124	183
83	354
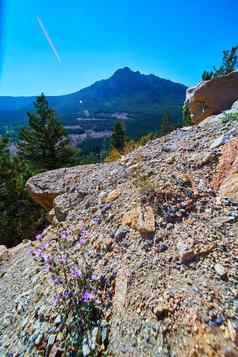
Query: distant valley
137	99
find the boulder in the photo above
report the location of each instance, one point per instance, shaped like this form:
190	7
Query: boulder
44	188
212	97
83	180
226	177
141	219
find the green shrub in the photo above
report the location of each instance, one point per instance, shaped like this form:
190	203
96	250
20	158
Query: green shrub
228	117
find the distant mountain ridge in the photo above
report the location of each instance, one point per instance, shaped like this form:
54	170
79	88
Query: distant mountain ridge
127	94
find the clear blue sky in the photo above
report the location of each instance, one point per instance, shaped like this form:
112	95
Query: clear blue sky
175	39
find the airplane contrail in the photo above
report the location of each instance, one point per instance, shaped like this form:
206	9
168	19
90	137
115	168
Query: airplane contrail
50	42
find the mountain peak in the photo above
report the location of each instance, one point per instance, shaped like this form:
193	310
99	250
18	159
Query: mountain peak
123	71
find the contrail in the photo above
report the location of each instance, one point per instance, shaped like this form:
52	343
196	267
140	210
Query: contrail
50	42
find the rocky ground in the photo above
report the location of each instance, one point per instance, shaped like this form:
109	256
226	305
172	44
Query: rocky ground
163	229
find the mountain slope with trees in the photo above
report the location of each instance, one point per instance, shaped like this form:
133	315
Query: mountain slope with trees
129	94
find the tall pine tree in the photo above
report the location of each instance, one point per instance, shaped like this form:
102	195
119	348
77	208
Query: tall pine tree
119	136
166	125
20	217
44	142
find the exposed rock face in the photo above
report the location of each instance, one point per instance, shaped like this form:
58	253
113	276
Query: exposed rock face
172	295
212	97
46	187
226	179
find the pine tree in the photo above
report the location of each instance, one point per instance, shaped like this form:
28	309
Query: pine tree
230	60
166	125
44	141
206	76
20	217
119	136
229	64
187	120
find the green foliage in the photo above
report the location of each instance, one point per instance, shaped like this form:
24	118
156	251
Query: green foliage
187	120
166	125
230	117
229	64
20	218
206	76
119	136
44	141
113	155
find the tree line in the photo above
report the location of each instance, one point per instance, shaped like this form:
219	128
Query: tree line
229	64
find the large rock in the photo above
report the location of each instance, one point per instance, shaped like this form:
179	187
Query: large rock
212	97
226	178
140	219
45	187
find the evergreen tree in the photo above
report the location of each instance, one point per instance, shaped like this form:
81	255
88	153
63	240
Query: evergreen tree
166	125
206	76
229	64
44	141
187	120
230	61
119	136
20	217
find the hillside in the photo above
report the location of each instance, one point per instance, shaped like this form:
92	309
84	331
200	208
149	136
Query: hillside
161	237
129	95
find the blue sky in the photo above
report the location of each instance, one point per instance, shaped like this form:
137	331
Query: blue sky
173	39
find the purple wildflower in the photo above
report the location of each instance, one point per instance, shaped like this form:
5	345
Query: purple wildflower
64	235
39	237
37	253
67	294
56	280
87	296
82	242
46	258
45	246
57	298
94	277
62	259
76	274
84	233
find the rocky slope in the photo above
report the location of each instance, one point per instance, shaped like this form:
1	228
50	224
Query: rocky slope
163	226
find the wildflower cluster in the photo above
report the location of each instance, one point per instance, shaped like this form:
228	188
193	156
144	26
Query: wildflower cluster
74	283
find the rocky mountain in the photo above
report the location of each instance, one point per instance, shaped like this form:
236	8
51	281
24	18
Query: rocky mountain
162	229
128	95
